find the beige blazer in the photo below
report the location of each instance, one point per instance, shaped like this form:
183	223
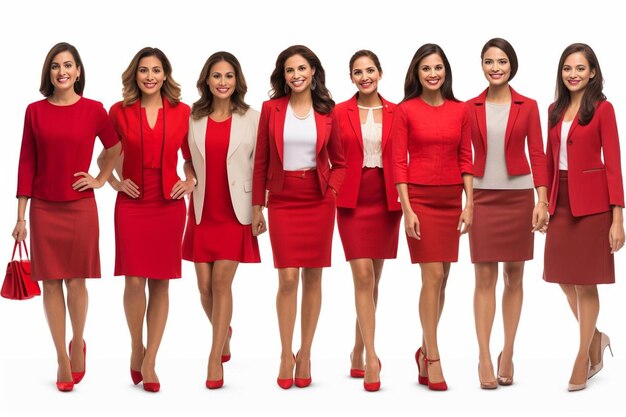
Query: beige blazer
239	162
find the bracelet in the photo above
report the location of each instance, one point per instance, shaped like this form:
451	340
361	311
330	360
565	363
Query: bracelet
21	221
544	203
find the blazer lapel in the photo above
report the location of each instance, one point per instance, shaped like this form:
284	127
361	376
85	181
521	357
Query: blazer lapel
279	125
236	134
513	112
355	121
572	127
320	126
387	118
199	135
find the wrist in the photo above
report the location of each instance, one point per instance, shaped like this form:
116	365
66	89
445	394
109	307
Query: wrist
543	203
193	180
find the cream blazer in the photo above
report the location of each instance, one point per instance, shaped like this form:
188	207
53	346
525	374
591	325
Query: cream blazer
239	162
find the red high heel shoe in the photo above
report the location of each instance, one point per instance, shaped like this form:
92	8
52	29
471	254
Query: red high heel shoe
423	380
216	383
373	386
286	383
152	386
136	376
355	372
303	382
65	386
434	386
78	376
226	358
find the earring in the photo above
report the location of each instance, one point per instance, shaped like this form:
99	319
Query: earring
313	84
77	79
287	89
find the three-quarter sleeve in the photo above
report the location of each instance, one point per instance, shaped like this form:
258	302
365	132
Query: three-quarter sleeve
261	158
465	144
399	136
28	158
611	153
535	147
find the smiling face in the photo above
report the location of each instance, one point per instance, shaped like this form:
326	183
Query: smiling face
298	73
63	71
222	80
431	72
496	67
365	75
576	72
150	75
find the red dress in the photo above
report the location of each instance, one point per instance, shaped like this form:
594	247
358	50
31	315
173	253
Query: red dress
219	236
149	229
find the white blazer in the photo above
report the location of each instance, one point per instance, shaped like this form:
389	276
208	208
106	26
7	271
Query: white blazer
239	162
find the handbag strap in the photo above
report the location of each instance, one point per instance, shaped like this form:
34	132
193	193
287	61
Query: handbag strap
20	244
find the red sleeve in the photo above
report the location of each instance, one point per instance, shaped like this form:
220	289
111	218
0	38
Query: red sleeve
550	167
336	155
261	158
535	148
464	151
106	131
185	149
28	158
611	153
399	136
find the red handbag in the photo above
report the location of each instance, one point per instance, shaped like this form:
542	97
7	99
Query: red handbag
17	283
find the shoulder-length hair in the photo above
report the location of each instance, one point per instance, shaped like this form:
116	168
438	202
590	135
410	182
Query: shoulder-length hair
412	86
46	87
204	105
322	99
507	48
367	53
130	90
593	91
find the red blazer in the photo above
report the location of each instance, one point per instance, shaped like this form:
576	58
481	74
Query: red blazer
593	186
523	125
268	163
347	114
126	120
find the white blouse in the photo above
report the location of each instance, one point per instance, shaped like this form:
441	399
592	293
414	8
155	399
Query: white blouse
372	139
565	126
300	141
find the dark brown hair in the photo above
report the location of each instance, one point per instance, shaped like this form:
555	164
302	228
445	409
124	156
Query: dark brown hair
130	90
591	95
322	99
46	87
412	86
505	47
204	106
371	55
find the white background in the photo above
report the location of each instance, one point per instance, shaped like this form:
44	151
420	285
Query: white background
108	34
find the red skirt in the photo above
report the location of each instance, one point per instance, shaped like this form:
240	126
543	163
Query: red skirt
501	229
369	230
438	209
149	232
577	250
64	239
301	222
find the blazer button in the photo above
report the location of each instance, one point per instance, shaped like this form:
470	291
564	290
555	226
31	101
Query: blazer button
569	142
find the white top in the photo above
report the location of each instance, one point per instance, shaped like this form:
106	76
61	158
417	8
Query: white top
563	152
300	141
496	175
372	133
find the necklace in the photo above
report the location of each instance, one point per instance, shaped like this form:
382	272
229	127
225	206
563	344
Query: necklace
306	116
369	108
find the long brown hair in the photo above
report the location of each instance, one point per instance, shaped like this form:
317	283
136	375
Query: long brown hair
593	91
46	87
412	86
204	106
322	100
130	90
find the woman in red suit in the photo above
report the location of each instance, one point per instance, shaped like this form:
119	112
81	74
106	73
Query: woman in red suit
300	162
152	124
431	136
57	146
503	124
222	137
368	211
586	199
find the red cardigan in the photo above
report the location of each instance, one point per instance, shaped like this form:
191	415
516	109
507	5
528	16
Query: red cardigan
126	120
431	145
522	126
268	162
58	142
594	186
347	115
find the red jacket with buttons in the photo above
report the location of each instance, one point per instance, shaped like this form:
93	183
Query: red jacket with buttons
593	162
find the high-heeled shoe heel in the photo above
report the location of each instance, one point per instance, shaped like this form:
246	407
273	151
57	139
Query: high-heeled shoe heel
504	380
486	385
356	372
303	382
604	343
423	380
216	383
373	386
434	386
226	358
78	376
286	383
